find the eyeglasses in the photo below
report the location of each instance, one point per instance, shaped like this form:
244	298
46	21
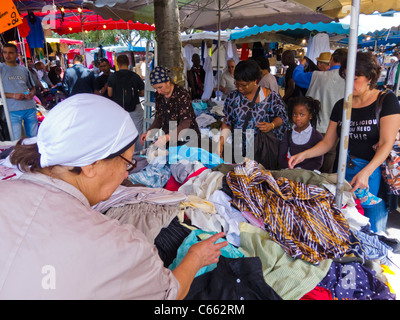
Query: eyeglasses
130	165
243	86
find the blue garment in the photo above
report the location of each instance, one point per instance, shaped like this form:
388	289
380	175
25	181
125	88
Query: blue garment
228	251
377	213
35	37
369	247
210	160
30	120
303	79
155	175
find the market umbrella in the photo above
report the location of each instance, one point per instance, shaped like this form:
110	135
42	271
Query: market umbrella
287	33
337	9
80	20
383	37
203	14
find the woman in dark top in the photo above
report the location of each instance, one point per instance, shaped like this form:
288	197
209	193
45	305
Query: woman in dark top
173	103
365	135
304	114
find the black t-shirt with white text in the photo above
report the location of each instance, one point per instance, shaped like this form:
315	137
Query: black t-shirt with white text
364	132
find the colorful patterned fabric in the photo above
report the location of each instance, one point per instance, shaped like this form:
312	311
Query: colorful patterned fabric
159	75
237	105
303	219
353	281
177	108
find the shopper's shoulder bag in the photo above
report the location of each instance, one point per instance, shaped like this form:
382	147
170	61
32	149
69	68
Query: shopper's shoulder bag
391	166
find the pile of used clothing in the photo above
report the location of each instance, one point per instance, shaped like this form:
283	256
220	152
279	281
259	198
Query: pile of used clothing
287	238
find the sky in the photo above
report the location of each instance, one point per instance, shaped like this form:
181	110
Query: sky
373	22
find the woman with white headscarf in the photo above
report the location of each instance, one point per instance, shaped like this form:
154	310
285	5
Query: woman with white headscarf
54	245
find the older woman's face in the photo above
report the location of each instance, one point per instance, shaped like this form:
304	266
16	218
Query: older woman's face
163	88
245	87
112	173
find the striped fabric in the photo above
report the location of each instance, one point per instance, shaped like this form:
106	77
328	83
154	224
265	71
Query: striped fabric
302	218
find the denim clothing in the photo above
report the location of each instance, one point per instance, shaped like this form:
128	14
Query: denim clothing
29	118
377	213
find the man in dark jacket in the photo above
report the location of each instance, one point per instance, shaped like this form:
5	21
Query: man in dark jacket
78	78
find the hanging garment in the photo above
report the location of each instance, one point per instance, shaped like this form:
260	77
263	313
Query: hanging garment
24	28
303	219
187	52
320	43
391	78
35	37
233	279
353	281
208	79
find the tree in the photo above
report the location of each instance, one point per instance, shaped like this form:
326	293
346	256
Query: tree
168	37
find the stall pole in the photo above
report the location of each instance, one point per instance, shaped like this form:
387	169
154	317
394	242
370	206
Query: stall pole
348	99
218	51
23	51
7	114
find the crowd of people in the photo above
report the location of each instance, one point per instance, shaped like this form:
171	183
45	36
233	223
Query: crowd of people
84	151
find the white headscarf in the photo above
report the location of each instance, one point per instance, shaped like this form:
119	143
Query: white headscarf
83	129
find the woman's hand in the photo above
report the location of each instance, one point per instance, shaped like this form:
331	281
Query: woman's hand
265	126
220	149
162	140
207	251
198	256
143	138
297	158
360	181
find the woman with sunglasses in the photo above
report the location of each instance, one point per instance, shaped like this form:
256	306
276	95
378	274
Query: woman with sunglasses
268	112
54	245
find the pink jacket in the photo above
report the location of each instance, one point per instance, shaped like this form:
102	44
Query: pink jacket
54	246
